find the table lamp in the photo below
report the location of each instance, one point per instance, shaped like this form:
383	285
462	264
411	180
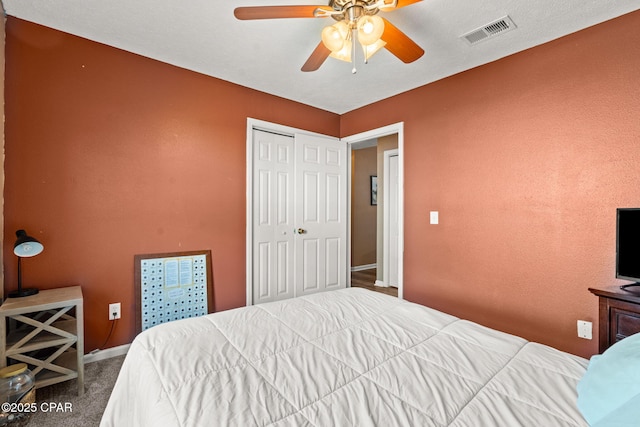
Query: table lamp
25	246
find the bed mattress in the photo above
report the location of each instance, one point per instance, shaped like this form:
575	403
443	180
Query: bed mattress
343	358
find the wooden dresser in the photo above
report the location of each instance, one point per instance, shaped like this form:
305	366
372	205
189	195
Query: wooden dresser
619	314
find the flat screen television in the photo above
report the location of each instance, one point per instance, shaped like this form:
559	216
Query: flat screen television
628	245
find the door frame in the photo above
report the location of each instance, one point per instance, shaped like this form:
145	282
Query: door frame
396	128
288	131
386	228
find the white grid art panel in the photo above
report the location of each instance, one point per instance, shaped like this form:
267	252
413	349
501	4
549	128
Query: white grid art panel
172	288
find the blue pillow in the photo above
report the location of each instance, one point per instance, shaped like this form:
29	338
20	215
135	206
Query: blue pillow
611	386
627	415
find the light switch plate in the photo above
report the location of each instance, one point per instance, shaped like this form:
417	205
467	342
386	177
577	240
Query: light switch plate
433	217
585	329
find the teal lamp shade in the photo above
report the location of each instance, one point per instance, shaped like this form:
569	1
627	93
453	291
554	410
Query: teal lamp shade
25	247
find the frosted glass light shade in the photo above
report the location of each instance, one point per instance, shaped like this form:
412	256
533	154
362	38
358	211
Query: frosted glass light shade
332	39
370	29
343	54
370	49
334	36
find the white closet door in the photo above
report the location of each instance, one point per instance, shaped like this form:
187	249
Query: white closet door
321	214
299	218
273	217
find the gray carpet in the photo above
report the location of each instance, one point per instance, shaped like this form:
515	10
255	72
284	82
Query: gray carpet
99	378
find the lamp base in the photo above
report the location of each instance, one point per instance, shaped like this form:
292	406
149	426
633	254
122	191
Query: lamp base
22	293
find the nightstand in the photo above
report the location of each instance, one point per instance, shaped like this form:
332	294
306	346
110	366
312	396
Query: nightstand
46	332
619	314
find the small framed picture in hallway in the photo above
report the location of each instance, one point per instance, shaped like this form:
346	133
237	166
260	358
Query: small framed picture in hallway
374	190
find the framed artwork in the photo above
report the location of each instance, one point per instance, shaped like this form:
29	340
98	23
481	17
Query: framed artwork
171	286
374	190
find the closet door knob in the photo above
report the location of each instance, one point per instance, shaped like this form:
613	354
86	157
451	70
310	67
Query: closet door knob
301	231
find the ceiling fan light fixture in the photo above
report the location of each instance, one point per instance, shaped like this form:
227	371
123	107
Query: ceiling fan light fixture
370	29
370	49
343	54
356	23
334	36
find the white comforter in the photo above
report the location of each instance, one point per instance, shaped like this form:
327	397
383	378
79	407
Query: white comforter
343	358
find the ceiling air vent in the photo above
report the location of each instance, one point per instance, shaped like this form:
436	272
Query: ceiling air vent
494	28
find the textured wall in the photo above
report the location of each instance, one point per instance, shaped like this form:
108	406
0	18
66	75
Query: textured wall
110	154
526	159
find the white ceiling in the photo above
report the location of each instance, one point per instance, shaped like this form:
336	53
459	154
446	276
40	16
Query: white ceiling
204	36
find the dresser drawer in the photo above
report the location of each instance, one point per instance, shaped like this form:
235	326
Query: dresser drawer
619	314
623	323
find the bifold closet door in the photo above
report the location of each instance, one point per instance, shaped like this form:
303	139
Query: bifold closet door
299	215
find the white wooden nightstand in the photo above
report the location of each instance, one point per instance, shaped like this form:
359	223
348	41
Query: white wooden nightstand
43	332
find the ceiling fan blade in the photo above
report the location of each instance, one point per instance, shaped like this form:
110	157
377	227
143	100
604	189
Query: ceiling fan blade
317	58
274	12
399	44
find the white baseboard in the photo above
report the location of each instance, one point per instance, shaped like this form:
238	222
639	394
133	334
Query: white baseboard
364	267
106	354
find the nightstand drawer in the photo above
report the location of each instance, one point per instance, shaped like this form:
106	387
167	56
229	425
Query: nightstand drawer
624	323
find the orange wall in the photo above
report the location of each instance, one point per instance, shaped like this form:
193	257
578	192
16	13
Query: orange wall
526	159
110	154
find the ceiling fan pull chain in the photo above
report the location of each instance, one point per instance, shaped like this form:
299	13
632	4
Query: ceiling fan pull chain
354	37
366	54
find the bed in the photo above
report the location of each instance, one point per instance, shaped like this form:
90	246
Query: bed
342	358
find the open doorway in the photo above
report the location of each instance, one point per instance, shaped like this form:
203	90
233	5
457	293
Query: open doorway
364	214
376	209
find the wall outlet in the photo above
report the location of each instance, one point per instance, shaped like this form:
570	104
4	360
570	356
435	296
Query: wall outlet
114	311
585	329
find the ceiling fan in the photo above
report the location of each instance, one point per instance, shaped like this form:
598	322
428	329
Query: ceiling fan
355	20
